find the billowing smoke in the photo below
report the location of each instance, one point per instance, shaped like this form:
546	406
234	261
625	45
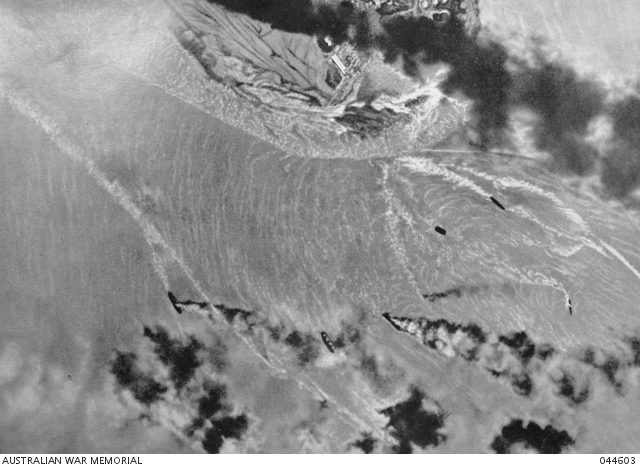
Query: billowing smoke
621	167
485	72
301	16
477	70
564	106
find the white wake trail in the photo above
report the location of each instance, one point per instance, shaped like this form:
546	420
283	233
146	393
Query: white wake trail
22	104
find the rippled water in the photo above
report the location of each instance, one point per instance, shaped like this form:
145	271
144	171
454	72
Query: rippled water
127	174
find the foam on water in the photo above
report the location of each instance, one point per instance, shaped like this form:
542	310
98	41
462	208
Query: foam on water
512	183
163	253
598	245
431	168
622	259
392	214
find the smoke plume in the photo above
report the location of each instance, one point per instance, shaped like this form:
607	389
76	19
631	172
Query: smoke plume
485	72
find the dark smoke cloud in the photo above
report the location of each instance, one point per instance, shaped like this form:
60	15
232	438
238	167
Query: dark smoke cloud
306	346
477	70
564	105
367	443
301	16
410	423
546	439
485	72
128	375
182	360
621	167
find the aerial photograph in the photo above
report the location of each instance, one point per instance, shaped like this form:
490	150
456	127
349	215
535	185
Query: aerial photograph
319	227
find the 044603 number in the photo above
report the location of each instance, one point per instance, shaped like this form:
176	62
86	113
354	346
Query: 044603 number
617	460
